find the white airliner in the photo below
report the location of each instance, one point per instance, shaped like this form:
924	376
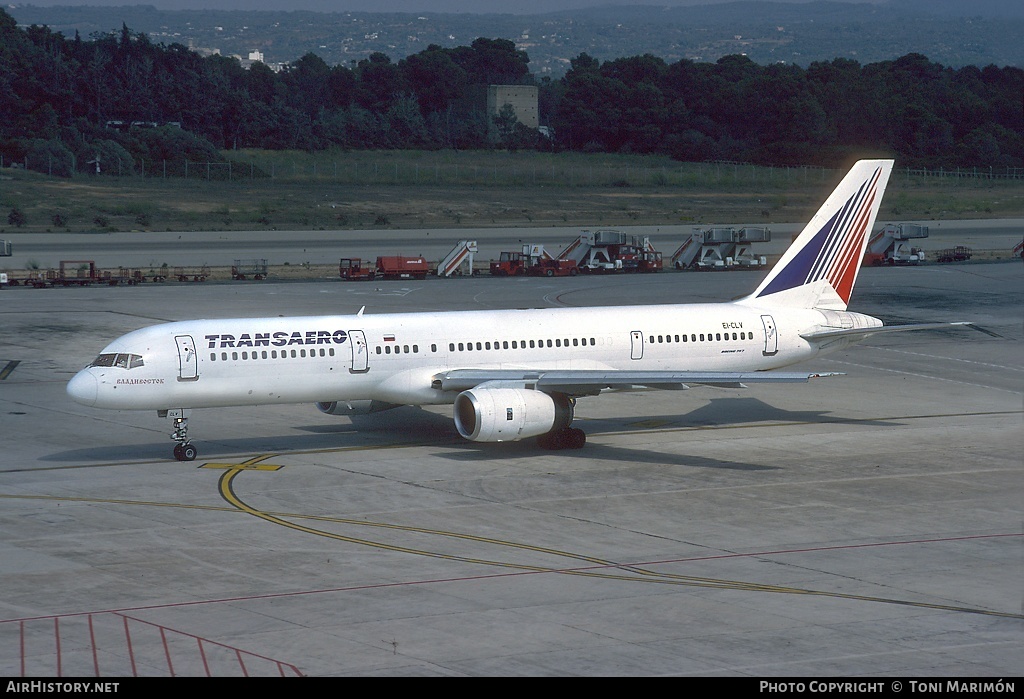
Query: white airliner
510	374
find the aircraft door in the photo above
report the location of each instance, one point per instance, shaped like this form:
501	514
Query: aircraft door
188	365
636	339
360	352
771	336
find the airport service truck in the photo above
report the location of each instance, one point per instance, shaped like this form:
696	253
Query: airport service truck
510	264
400	267
356	269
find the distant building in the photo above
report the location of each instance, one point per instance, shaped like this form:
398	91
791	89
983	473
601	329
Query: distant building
125	124
522	98
204	52
256	56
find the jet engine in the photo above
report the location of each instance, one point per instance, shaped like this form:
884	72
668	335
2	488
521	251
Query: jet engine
509	414
354	407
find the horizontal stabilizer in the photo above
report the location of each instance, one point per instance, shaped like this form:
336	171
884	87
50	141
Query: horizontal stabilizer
859	333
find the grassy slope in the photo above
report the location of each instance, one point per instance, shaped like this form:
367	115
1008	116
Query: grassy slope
399	189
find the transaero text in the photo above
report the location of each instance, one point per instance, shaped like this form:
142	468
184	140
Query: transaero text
277	339
912	686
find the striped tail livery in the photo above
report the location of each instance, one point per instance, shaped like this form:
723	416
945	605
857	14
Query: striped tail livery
820	268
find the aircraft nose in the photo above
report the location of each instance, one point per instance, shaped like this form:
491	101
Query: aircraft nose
83	388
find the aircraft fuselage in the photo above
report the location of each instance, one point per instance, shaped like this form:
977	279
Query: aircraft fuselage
394	357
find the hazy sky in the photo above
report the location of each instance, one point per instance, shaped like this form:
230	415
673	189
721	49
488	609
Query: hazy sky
986	8
502	6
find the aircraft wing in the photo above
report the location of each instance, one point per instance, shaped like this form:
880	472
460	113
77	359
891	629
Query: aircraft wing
579	382
859	333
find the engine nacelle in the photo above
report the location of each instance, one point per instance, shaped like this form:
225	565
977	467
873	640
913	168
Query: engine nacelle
509	414
354	407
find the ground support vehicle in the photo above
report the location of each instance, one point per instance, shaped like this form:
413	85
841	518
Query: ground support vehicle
649	259
553	268
78	273
722	248
355	269
509	264
687	252
459	261
960	253
123	275
611	251
400	267
889	245
41	280
743	255
36	278
717	247
249	269
533	261
192	274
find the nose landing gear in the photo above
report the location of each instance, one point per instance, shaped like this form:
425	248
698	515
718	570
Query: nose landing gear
183	450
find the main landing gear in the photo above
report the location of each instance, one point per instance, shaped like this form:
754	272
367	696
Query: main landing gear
564	438
183	450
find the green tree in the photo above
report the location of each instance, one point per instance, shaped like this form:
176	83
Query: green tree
340	87
492	62
434	77
378	83
308	83
261	83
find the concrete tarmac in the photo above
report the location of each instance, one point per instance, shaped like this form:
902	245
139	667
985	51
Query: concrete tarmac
146	249
866	525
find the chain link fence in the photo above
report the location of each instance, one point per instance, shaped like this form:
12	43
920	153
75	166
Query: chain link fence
362	171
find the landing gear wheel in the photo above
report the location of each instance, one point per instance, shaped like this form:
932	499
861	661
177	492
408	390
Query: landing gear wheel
177	452
185	452
565	438
575	438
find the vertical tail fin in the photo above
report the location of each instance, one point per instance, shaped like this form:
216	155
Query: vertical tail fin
820	268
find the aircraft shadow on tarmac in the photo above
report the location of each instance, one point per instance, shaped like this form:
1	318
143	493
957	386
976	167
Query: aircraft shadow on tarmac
731	412
416	426
597	452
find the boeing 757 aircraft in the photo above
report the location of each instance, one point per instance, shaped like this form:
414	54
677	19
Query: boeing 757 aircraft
510	374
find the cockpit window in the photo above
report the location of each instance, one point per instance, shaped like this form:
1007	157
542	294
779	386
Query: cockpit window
104	360
125	361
